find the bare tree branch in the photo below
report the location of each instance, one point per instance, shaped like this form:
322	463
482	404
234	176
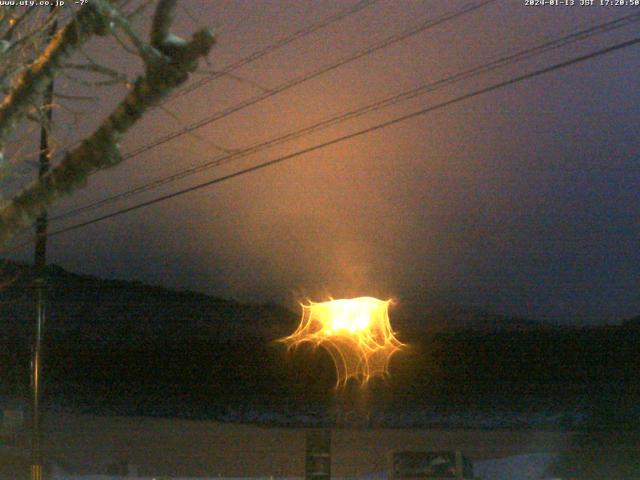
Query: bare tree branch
113	76
93	18
162	21
14	22
146	51
169	69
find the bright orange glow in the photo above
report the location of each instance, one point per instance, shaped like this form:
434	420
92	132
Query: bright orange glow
356	332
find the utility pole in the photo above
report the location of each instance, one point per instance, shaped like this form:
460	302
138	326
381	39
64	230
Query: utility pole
40	261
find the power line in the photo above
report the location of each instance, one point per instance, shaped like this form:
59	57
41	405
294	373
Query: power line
430	23
270	49
380	126
316	73
276	46
332	121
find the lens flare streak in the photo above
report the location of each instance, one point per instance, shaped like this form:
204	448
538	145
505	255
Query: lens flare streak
355	332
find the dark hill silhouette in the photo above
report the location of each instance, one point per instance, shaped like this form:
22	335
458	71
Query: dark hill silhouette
123	314
129	348
633	322
425	314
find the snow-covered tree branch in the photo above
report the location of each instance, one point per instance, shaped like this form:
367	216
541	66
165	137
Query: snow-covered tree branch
168	61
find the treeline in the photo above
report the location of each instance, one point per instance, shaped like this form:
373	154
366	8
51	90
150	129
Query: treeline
561	367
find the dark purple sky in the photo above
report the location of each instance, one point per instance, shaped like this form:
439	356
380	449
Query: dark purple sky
523	201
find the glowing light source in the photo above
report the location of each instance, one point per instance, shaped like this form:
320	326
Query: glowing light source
355	332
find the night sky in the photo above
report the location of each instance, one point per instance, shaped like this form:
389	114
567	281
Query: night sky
523	201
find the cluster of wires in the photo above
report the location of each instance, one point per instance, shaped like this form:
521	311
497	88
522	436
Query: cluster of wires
499	62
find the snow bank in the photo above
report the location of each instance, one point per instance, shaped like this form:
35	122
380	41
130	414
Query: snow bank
519	467
111	477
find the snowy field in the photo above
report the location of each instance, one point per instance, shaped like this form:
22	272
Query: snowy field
519	467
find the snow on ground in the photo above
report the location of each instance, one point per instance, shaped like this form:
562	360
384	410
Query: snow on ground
111	477
519	467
